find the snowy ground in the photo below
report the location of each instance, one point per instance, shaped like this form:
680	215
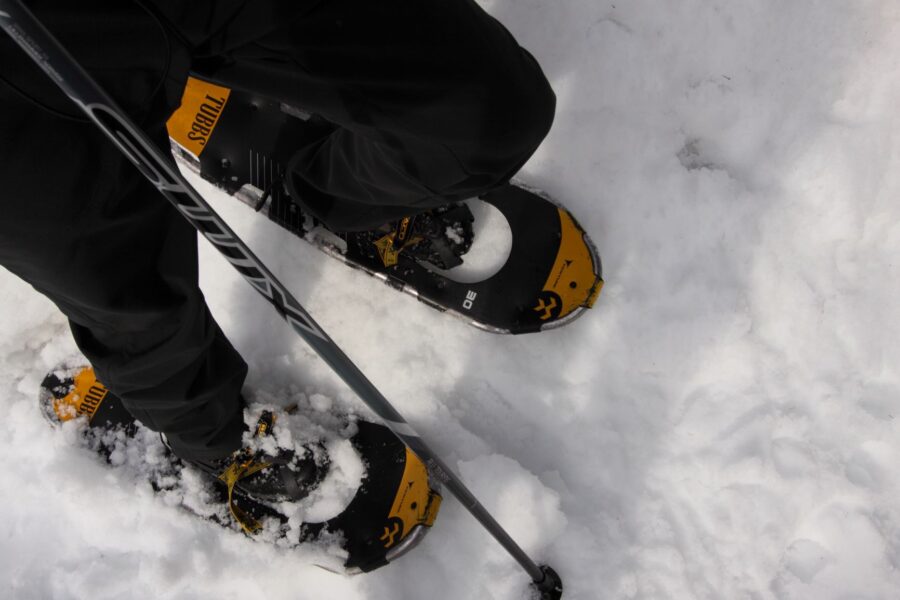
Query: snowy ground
722	425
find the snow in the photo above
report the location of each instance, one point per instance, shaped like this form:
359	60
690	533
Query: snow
491	244
721	425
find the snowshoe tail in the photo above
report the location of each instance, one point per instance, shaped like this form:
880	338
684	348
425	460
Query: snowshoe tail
391	512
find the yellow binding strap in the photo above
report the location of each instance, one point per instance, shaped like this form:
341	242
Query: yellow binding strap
242	467
235	472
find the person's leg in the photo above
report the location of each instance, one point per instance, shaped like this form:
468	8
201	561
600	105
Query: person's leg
432	101
80	224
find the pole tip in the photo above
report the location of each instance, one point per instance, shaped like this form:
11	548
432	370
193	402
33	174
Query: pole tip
550	587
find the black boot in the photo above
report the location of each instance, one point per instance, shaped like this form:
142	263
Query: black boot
283	477
438	237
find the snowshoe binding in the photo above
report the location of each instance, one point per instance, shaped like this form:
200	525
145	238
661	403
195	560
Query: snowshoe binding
439	237
389	514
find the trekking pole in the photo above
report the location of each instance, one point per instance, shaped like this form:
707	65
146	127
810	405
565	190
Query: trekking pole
29	33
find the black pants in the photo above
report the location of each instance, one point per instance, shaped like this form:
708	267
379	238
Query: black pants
433	101
429	101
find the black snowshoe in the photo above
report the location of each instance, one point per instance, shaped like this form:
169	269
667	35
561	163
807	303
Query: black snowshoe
390	513
242	142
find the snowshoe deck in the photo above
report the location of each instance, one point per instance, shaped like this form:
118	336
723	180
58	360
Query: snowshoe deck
241	141
391	512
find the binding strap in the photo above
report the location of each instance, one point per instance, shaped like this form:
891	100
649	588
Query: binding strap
243	466
391	245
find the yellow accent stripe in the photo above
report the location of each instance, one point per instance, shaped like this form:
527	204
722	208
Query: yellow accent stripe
595	295
195	120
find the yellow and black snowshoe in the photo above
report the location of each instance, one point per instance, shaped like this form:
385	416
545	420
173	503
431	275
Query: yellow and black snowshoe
243	142
392	510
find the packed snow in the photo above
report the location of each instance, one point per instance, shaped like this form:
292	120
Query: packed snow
721	424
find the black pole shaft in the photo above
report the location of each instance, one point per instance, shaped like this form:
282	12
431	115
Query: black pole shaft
65	71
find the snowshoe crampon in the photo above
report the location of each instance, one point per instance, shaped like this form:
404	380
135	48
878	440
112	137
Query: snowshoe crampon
242	142
392	510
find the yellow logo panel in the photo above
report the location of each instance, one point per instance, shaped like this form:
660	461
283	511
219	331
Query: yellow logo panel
201	106
84	398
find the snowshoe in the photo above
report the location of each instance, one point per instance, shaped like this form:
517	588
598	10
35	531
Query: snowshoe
390	513
241	142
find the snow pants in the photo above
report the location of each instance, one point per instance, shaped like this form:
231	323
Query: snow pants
431	101
427	101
